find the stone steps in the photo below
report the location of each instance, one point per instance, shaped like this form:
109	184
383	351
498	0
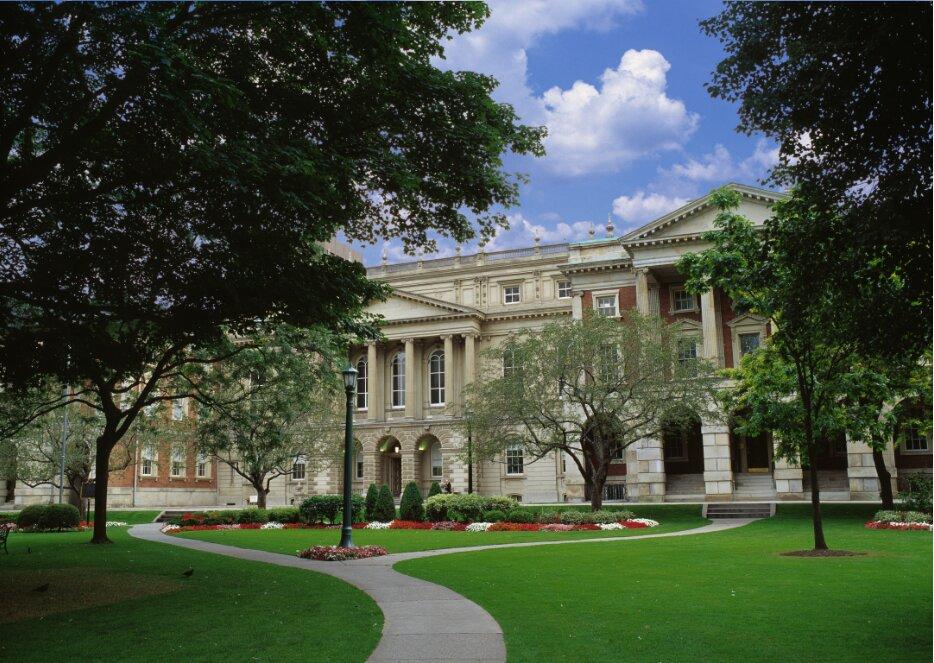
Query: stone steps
738	510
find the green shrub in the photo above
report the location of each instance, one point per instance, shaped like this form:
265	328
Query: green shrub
372	496
520	515
358	513
902	516
283	514
917	494
457	515
494	516
469	507
385	506
59	517
330	508
220	517
30	515
435	489
252	515
575	517
411	507
549	517
603	516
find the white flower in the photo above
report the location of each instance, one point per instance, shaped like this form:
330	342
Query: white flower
272	525
168	529
648	522
377	525
478	527
116	523
610	526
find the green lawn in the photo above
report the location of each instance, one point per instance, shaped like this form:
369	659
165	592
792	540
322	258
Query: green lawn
726	596
671	518
143	609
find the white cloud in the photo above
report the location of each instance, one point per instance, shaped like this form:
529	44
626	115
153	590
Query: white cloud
642	206
628	117
522	232
719	166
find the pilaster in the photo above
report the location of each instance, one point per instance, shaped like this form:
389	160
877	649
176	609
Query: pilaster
374	399
788	475
411	374
713	330
718	473
861	470
450	388
650	463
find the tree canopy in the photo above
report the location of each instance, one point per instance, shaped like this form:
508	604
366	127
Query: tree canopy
585	388
845	89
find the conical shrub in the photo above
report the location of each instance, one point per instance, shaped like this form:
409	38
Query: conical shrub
385	506
372	497
411	508
435	489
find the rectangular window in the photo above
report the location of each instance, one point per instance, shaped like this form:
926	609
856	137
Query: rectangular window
915	440
606	305
682	300
436	378
437	469
564	289
362	383
201	468
512	294
748	343
178	463
148	461
298	470
179	409
397	370
687	351
514	460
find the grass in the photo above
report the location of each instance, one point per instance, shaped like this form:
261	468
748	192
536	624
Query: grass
673	518
129	602
129	517
727	596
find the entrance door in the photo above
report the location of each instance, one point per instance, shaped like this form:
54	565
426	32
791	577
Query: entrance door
757	454
395	475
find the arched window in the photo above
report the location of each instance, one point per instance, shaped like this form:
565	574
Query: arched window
362	383
298	469
358	460
437	467
436	378
397	373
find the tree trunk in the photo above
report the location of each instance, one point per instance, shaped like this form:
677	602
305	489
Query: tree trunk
101	479
885	479
596	493
260	494
11	487
819	542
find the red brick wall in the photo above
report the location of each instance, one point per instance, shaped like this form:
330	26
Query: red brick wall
627	298
587	301
616	470
124	478
726	315
664	305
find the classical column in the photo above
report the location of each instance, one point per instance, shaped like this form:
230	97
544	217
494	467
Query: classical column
470	358
450	389
789	477
374	399
411	374
710	321
650	463
642	291
577	306
718	472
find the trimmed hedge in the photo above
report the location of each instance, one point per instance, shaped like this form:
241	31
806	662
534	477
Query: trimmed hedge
283	514
520	515
372	497
385	506
318	508
411	507
252	515
494	516
48	517
465	507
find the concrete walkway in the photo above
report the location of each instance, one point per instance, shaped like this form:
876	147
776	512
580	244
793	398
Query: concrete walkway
422	621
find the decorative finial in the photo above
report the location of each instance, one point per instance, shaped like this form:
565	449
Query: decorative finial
536	238
610	228
457	250
385	254
592	231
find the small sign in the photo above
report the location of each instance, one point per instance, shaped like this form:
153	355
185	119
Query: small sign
89	490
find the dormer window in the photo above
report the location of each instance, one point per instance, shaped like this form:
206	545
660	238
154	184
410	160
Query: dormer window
512	294
682	301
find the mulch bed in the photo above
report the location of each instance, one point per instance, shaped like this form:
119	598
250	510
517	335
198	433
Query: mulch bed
822	553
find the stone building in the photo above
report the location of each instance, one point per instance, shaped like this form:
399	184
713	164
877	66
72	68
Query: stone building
443	313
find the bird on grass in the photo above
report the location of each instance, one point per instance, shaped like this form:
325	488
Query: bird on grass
188	573
42	588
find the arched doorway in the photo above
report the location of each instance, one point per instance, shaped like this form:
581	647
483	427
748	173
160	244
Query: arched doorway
389	464
683	449
429	461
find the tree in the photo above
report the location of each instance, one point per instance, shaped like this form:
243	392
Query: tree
169	172
585	388
410	506
385	505
271	405
844	88
777	273
372	496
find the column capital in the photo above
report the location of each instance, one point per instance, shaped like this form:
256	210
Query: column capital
445	337
408	339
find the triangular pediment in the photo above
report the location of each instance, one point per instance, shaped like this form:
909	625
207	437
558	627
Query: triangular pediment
697	216
403	305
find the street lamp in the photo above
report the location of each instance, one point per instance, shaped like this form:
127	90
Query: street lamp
467	414
350	386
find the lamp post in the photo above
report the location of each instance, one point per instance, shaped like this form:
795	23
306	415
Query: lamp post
350	386
469	455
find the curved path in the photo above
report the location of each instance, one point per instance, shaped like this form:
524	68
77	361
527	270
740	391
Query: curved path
422	621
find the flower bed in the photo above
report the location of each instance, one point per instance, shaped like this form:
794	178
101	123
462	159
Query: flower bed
338	554
883	524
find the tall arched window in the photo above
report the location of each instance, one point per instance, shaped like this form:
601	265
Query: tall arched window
437	467
397	373
436	378
362	384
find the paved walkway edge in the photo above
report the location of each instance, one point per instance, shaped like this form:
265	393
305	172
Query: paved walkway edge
422	621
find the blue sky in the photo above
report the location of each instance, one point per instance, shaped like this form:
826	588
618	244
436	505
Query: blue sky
620	86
